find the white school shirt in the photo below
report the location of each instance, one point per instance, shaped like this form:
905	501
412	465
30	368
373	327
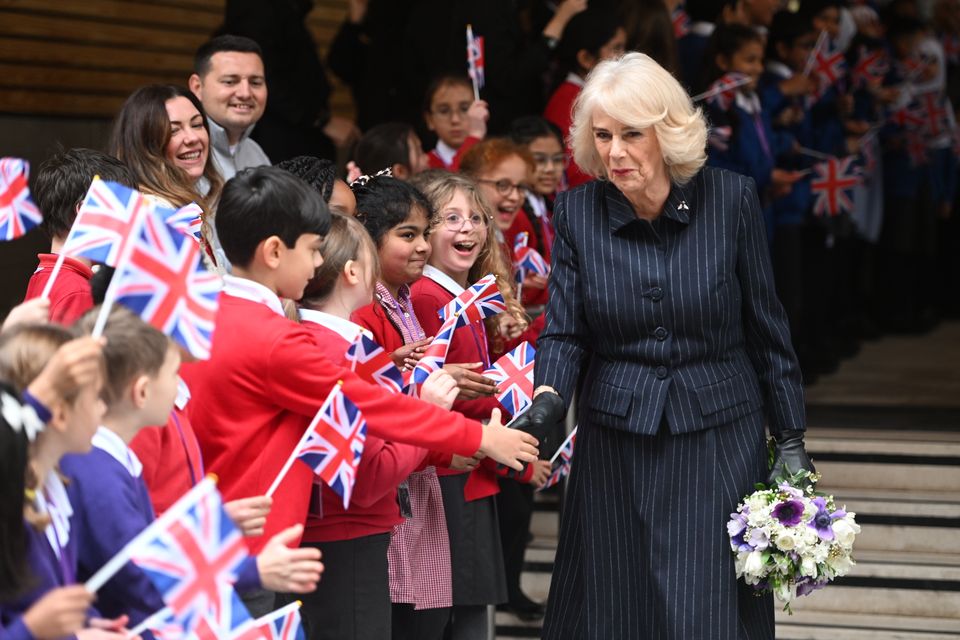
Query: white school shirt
252	291
341	326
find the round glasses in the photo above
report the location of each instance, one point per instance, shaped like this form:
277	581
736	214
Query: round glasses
456	222
504	187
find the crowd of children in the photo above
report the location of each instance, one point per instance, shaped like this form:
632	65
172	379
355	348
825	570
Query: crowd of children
839	111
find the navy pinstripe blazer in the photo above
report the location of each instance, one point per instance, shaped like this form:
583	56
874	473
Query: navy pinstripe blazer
674	318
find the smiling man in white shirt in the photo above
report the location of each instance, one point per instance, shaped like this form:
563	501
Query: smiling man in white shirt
229	80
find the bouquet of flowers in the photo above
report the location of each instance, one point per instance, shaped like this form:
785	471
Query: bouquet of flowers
790	540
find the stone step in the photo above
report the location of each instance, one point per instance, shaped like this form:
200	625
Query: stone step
818	625
872	472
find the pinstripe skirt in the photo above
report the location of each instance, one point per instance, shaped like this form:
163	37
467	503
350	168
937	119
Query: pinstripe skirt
643	550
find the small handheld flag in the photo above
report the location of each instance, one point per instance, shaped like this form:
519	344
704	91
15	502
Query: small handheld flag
187	219
833	184
481	300
513	373
18	213
722	92
561	467
475	63
373	363
282	624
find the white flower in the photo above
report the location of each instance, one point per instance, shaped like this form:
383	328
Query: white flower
841	565
845	531
808	568
785	541
786	592
754	565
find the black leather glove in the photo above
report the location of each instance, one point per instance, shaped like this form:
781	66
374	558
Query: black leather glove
789	456
543	415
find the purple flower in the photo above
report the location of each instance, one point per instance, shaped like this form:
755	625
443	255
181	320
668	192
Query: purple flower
823	520
790	490
759	539
738	522
808	586
789	512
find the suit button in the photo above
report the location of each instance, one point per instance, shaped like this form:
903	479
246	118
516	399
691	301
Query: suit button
661	372
661	334
656	294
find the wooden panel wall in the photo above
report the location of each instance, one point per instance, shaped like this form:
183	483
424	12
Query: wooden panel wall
83	57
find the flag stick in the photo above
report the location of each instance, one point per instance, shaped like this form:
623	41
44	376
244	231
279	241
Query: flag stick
717	90
53	276
175	512
149	622
560	448
813	54
473	63
265	619
143	209
303	438
813	153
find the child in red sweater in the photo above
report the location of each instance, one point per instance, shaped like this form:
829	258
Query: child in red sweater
266	377
62	182
459	121
464	249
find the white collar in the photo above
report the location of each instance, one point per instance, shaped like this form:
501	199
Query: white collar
445	152
252	291
106	440
341	326
749	103
573	78
538	203
183	394
704	29
778	68
52	500
443	280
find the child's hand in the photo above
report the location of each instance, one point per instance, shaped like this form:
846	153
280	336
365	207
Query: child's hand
477	116
798	85
60	612
510	327
75	365
459	463
782	180
118	624
541	471
249	514
93	633
533	281
509	447
34	311
472	385
291	570
440	389
341	131
407	356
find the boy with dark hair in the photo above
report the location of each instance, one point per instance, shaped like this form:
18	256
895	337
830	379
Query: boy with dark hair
110	499
266	376
61	184
229	79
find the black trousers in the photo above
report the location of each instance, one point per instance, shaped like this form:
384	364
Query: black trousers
514	509
352	600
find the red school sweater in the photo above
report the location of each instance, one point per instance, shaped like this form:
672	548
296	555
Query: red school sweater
469	344
70	296
436	162
383	466
171	458
559	111
256	394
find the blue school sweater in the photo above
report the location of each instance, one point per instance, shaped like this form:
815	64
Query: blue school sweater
48	570
112	505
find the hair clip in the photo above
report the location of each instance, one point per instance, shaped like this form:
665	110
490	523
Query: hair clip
364	179
20	417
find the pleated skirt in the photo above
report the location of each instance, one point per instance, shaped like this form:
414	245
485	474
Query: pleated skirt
643	550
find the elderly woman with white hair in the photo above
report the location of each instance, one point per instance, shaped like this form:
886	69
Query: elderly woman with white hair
664	320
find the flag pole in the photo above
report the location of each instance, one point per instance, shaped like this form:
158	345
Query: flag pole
267	618
143	209
813	153
175	512
560	448
722	88
53	276
473	63
303	438
149	622
813	54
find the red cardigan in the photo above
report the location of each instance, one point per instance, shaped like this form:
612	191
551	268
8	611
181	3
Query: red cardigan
256	394
436	162
559	111
469	344
524	222
171	459
383	466
70	296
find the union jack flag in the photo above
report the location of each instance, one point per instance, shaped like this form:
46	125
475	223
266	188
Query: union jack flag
103	225
334	444
681	22
513	373
18	213
527	259
192	554
475	64
832	185
828	66
934	113
188	220
908	118
722	92
371	362
871	67
562	461
435	355
481	300
234	617
282	624
166	283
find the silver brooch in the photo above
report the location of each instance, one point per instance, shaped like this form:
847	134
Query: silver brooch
683	206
